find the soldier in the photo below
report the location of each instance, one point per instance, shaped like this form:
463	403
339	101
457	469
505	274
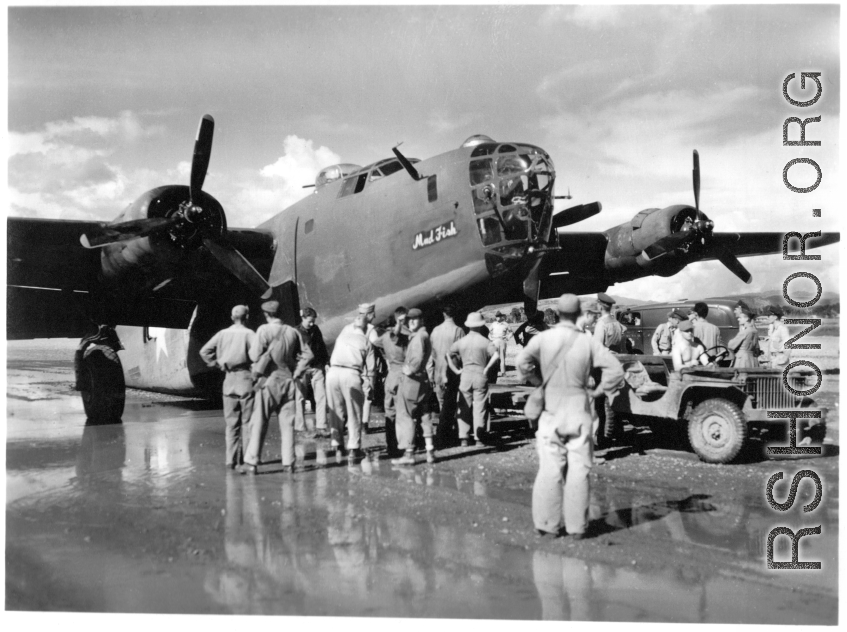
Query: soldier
739	306
444	382
499	335
229	349
351	366
314	375
563	357
414	392
777	337
368	383
706	332
286	355
393	344
609	333
662	340
477	355
745	345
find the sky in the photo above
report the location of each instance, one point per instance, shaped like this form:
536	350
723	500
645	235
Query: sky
104	102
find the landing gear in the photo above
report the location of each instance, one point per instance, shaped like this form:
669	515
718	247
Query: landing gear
100	376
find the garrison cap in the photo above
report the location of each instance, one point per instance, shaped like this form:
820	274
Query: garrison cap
240	311
678	314
568	304
686	325
367	308
270	307
604	298
475	319
414	313
776	310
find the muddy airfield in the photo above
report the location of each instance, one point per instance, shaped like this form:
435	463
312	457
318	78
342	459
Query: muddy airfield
143	517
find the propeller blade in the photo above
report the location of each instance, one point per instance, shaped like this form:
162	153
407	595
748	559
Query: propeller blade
695	172
576	214
202	154
112	233
236	263
667	244
531	287
733	264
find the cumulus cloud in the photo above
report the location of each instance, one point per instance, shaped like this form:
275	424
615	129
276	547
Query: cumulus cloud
587	15
256	197
63	171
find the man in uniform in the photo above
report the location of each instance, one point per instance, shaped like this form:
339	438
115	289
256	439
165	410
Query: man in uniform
739	306
745	345
413	394
609	333
704	331
476	355
565	357
229	349
351	366
314	375
499	335
393	344
662	340
368	382
777	337
444	382
288	356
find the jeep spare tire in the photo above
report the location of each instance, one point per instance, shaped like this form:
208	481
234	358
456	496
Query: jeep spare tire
717	430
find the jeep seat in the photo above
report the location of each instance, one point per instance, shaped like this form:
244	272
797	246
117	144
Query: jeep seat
638	379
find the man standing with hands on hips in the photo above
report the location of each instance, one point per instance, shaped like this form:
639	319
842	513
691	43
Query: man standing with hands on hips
280	353
229	349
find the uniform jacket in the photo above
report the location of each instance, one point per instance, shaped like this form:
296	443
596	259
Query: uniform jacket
709	334
417	355
229	349
474	350
291	355
315	339
662	340
353	350
609	333
442	338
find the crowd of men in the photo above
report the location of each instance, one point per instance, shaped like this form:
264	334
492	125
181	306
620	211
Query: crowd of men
275	370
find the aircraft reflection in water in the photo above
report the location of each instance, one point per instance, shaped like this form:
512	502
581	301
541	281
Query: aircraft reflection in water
474	225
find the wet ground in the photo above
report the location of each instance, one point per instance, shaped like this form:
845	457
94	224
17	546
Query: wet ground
143	517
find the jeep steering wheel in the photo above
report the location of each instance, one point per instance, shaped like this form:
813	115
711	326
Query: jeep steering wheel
721	353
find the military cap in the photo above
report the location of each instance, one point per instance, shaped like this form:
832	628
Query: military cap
742	304
367	308
678	314
605	299
240	311
270	307
672	314
568	304
686	325
499	315
590	306
475	319
414	313
776	310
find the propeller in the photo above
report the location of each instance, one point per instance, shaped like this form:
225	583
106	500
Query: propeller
700	232
190	215
576	214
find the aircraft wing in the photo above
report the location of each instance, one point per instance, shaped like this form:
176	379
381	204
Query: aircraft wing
754	244
53	282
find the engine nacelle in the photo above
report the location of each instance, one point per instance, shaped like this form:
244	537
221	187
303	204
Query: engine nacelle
146	262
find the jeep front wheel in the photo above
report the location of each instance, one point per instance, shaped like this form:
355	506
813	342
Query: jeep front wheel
717	430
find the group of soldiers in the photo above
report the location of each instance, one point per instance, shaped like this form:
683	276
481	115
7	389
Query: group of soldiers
276	369
269	372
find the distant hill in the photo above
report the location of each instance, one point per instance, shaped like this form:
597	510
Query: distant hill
829	304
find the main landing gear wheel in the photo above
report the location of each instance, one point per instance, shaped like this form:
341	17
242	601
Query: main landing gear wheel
717	431
102	384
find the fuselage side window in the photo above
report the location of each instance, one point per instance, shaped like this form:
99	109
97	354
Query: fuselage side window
309	226
432	188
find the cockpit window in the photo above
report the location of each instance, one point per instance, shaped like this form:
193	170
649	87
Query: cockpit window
508	165
504	149
480	171
485	149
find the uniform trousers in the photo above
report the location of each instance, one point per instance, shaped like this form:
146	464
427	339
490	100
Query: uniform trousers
276	397
238	407
413	405
500	345
392	385
447	392
564	462
315	377
346	398
473	400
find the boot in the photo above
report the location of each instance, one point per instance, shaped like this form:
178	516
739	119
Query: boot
407	459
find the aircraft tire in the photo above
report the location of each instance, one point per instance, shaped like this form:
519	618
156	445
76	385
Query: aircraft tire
102	385
717	430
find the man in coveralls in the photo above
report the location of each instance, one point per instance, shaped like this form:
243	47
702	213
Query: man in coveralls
564	356
445	382
229	349
413	394
477	355
289	355
351	366
393	344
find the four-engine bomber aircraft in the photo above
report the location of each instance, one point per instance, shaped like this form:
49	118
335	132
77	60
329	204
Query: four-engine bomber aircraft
474	225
